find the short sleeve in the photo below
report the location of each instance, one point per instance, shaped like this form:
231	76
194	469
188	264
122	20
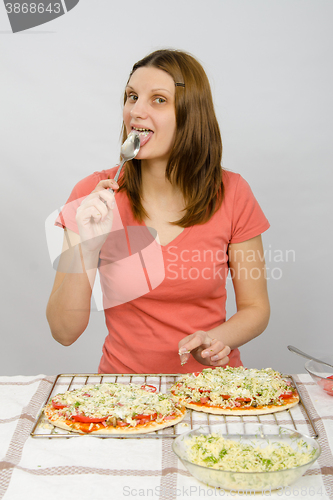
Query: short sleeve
248	219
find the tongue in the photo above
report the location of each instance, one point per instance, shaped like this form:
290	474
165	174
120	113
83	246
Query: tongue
144	137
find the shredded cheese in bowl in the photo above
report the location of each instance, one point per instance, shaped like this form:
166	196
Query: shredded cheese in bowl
267	457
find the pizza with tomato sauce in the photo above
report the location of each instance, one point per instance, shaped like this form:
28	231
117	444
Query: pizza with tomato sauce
113	408
235	391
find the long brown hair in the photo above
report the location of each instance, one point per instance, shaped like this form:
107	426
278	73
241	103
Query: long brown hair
194	164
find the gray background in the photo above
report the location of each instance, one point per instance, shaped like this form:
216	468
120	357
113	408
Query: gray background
270	67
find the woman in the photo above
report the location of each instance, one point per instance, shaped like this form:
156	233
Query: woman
206	223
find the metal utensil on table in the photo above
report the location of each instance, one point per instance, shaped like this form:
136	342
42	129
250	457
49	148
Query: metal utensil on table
301	353
128	151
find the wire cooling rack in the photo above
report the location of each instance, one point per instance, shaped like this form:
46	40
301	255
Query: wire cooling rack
296	418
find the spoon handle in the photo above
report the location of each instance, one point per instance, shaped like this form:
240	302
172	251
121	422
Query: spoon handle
301	353
117	174
119	170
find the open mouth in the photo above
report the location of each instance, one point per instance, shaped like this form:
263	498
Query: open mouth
144	133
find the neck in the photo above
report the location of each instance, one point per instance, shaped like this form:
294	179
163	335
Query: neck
154	181
156	188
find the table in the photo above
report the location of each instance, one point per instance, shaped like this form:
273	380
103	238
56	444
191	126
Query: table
92	468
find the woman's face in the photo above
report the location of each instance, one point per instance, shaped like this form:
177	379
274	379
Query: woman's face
150	105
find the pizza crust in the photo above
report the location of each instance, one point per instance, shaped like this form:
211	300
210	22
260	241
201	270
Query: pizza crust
96	428
251	410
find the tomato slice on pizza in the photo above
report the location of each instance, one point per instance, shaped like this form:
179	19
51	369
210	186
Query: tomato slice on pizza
112	408
149	388
235	391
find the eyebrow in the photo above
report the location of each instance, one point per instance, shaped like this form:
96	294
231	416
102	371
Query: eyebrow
152	90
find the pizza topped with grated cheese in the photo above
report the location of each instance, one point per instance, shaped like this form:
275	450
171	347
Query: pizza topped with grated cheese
113	408
235	391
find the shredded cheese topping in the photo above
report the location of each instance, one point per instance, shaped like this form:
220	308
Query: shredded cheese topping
116	402
233	387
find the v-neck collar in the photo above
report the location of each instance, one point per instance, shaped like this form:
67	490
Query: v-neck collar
176	240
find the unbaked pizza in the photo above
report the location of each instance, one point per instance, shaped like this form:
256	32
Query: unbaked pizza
235	391
113	408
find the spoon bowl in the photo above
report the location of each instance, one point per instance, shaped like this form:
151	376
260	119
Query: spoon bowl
129	150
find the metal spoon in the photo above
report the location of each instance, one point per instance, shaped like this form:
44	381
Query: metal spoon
129	150
301	353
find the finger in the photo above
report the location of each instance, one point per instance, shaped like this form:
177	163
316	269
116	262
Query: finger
94	208
184	358
106	184
215	347
221	356
222	362
91	213
196	340
96	202
107	197
183	352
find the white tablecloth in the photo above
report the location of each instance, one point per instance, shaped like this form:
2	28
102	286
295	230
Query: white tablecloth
97	469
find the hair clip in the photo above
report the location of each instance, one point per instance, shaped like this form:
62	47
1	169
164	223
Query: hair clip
178	84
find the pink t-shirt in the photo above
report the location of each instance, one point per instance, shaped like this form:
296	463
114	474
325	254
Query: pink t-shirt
155	295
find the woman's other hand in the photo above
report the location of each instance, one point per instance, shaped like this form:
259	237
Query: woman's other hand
204	349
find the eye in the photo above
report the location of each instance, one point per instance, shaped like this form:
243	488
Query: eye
132	97
159	100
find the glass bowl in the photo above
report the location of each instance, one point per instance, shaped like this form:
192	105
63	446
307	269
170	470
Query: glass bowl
322	374
249	434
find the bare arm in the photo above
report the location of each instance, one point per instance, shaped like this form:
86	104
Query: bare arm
247	268
68	309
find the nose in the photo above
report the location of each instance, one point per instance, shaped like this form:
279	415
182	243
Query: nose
139	109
